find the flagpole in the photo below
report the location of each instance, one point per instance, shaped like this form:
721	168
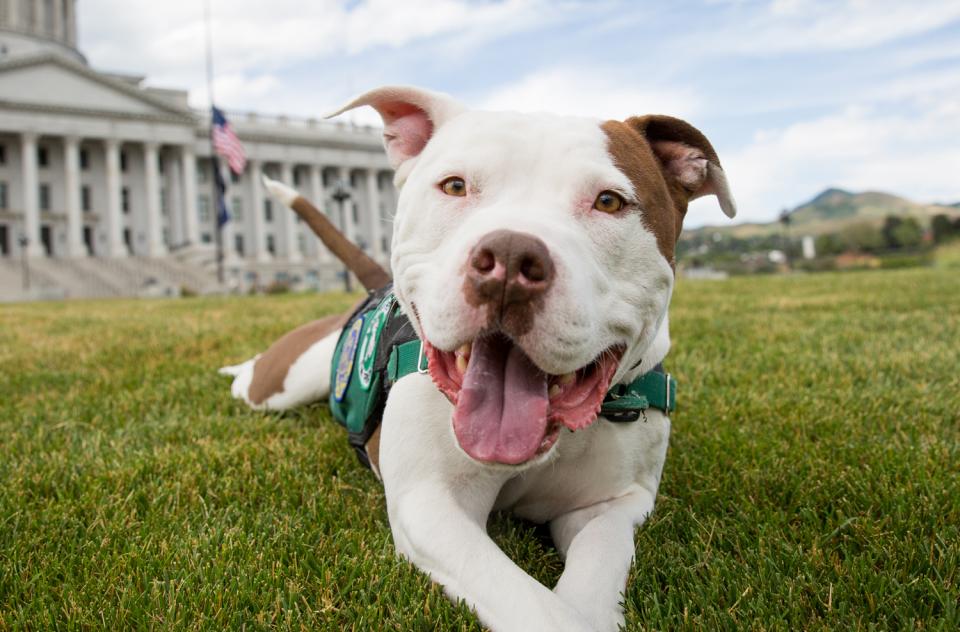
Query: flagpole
215	200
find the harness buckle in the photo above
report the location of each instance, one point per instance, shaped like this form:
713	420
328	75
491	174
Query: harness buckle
666	404
422	368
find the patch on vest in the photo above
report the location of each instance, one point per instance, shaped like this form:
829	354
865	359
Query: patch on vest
370	340
341	379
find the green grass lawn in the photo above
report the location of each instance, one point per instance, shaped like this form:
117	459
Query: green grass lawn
811	483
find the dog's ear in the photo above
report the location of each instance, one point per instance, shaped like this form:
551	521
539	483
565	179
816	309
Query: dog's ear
410	116
686	157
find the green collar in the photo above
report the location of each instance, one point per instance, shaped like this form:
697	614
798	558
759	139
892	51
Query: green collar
624	402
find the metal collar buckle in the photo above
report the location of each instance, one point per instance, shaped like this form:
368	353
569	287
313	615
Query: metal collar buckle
422	368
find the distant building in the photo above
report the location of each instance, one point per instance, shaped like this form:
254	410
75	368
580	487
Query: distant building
99	169
809	247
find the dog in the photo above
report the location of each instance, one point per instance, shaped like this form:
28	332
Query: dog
533	262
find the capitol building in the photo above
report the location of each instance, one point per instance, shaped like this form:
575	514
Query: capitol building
106	187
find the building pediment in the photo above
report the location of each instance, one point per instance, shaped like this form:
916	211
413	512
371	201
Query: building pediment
52	82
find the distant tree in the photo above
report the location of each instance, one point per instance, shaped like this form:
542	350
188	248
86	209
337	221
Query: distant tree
863	237
943	229
890	224
829	244
908	233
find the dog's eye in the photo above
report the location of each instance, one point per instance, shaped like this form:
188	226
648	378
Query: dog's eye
454	186
609	202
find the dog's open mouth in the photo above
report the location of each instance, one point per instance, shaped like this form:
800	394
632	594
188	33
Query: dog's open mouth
507	409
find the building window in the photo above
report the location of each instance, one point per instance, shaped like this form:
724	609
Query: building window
234	177
166	236
238	244
43	157
302	243
203	209
44	195
271	245
267	211
123	161
3	154
125	200
296	177
86	201
160	163
356	214
201	172
164	202
325	176
236	206
3	196
353	179
84	159
206	238
385	244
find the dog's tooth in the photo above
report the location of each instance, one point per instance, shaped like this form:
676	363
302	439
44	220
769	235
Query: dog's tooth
554	390
465	349
567	378
461	364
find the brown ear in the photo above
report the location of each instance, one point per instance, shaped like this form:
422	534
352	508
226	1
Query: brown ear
686	157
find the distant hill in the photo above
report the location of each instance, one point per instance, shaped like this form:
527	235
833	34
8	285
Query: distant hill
834	209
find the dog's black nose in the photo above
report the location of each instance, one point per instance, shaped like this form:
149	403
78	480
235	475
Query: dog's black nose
507	268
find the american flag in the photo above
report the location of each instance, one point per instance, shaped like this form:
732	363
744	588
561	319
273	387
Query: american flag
226	143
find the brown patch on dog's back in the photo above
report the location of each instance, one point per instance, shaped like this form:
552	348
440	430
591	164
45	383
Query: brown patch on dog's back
661	212
270	369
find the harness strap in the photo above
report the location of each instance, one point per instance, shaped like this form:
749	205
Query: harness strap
655	389
403	360
623	403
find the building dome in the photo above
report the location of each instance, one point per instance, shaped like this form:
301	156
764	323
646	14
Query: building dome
35	26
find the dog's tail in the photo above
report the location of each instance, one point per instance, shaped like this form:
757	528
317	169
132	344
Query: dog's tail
370	274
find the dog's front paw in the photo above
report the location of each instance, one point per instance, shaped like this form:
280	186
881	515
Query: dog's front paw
596	615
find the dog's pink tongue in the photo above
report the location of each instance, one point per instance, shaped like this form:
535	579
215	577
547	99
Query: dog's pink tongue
501	413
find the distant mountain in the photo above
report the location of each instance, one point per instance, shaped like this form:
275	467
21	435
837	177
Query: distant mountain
834	209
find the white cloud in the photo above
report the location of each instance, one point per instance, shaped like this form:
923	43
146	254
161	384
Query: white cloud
857	148
591	92
827	25
166	40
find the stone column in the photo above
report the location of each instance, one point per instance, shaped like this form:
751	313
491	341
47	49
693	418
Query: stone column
258	245
191	222
57	21
318	197
155	245
13	13
115	244
71	25
71	186
376	222
174	196
343	174
287	218
31	207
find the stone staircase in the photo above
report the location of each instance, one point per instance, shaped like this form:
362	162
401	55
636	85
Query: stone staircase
43	284
96	277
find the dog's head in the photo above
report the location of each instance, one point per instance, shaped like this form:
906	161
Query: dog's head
535	255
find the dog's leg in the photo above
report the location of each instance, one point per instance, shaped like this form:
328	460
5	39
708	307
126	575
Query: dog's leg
599	548
438	501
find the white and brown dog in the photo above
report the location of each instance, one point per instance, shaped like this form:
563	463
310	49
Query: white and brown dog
534	255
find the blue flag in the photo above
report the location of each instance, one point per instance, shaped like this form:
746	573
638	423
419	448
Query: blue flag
223	214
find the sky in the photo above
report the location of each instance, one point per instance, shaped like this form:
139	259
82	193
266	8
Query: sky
795	95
